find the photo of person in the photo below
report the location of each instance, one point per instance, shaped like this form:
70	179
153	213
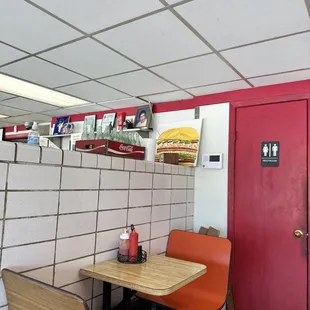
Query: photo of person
143	117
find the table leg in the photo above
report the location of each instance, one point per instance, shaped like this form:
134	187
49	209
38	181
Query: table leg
106	305
127	293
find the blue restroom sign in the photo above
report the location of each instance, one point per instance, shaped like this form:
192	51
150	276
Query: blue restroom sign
270	153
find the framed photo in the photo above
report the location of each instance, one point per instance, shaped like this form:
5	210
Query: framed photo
90	121
59	125
143	116
107	119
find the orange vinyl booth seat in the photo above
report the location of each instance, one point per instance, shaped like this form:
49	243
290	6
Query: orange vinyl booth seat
209	291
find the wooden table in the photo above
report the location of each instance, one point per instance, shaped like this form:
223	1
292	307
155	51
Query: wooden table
159	276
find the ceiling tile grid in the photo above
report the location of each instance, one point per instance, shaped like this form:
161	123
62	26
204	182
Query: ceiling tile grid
8	54
27	105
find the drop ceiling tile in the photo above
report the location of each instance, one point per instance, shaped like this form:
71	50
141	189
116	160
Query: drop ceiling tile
5	110
40	118
8	123
28	105
154	40
88	108
92	91
138	83
173	1
90	58
4	96
218	88
24	26
41	72
166	97
8	54
231	23
198	71
124	103
4	124
290	53
281	78
60	112
93	15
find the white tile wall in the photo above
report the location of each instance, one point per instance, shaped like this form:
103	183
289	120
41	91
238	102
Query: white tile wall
51	156
42	198
78	201
72	158
160	213
29	230
32	177
139	215
111	219
74	247
7	151
139	198
162	181
161	197
28	153
76	178
23	204
89	160
114	180
110	199
76	224
141	180
178	210
190	196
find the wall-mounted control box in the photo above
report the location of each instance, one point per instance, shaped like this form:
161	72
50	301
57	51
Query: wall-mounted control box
212	161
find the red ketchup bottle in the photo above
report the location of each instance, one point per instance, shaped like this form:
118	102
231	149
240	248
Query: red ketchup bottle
133	245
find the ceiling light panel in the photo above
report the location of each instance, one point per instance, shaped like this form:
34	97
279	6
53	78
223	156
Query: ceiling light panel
138	83
154	40
281	78
24	26
197	71
218	88
231	23
124	103
166	97
41	72
24	89
8	54
290	53
93	15
28	105
89	58
3	116
92	91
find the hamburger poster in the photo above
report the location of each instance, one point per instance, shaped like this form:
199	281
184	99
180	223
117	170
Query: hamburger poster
181	138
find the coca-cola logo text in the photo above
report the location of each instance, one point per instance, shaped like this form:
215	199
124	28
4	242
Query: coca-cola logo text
126	148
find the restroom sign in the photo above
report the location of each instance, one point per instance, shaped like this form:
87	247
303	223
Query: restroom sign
270	153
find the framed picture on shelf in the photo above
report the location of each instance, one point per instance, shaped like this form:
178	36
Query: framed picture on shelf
90	121
60	124
107	119
143	116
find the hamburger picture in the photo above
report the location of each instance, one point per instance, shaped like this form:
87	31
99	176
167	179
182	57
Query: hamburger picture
183	141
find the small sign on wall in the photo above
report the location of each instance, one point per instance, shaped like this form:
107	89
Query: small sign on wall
270	153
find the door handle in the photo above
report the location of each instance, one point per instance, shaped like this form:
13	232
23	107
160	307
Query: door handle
298	233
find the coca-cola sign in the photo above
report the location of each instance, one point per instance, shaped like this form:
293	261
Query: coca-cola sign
126	148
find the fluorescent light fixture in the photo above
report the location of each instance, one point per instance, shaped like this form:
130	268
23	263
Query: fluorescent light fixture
3	116
28	90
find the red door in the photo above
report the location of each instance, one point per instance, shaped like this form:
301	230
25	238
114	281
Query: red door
269	269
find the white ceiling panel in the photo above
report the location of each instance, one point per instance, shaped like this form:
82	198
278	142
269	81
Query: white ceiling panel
41	72
90	58
28	105
92	91
280	55
166	97
88	108
8	122
218	88
124	103
138	83
198	71
93	15
40	118
4	96
8	53
5	110
173	1
24	26
231	23
281	78
153	40
59	112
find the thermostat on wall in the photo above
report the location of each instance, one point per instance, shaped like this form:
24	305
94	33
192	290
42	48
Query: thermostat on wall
212	161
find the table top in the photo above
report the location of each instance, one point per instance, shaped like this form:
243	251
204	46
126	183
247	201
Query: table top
159	276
